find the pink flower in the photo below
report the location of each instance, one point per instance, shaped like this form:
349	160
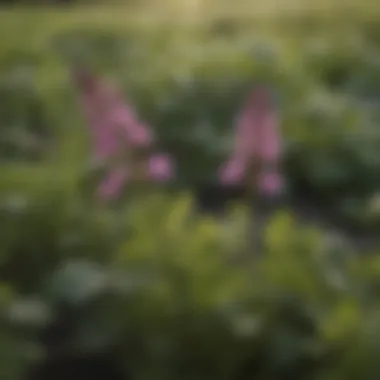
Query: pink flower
270	149
246	136
258	141
134	132
160	168
141	136
270	184
105	144
92	94
115	127
232	173
112	185
113	123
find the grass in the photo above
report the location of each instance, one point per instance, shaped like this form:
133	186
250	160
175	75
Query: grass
205	24
173	12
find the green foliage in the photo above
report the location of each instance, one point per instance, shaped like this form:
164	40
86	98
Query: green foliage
188	81
167	293
168	288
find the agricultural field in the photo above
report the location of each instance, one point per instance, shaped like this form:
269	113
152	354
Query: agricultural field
149	288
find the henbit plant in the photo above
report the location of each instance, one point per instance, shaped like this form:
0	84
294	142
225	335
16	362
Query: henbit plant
255	164
256	160
123	145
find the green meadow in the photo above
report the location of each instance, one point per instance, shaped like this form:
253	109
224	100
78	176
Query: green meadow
150	290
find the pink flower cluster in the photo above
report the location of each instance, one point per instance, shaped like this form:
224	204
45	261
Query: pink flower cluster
258	147
116	131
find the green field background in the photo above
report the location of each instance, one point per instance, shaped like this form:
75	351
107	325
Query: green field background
162	291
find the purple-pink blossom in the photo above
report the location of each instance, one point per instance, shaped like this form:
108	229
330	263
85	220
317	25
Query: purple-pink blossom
112	185
270	183
113	123
232	172
160	167
258	145
118	132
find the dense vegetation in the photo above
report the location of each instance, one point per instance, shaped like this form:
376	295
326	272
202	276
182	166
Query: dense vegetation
150	289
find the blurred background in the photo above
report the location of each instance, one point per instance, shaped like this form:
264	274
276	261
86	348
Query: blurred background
150	289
